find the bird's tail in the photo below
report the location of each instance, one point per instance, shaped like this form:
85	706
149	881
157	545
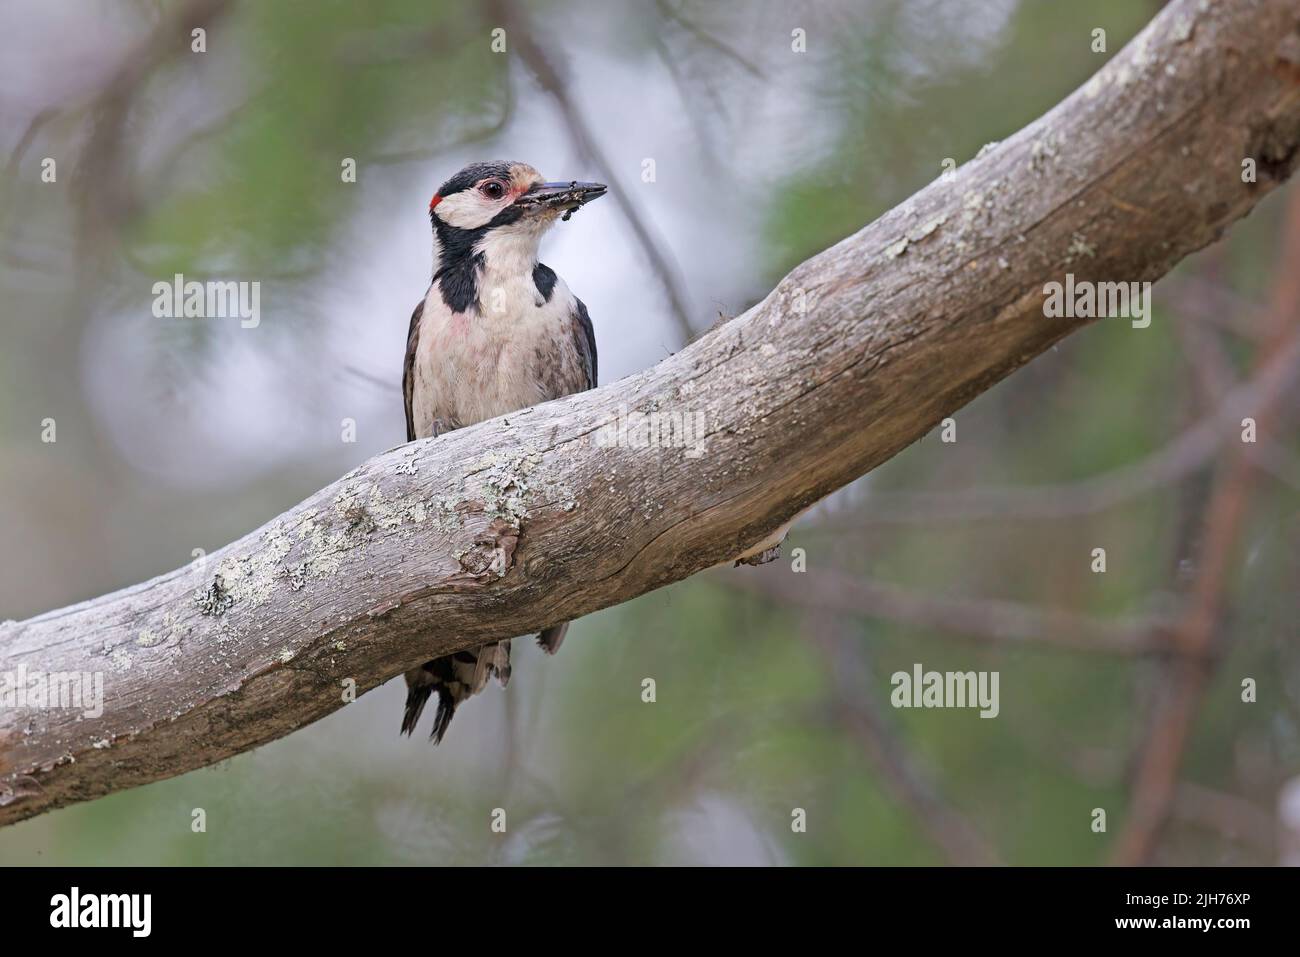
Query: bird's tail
463	675
455	678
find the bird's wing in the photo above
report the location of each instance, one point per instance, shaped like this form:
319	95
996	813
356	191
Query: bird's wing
408	369
586	339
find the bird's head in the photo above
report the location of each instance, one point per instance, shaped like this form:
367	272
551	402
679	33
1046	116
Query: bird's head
506	204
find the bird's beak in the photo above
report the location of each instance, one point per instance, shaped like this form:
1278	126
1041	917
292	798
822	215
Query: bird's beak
566	196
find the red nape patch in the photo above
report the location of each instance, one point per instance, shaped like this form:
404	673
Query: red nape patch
434	202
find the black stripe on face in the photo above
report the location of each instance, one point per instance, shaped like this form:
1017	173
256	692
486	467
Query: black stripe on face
458	264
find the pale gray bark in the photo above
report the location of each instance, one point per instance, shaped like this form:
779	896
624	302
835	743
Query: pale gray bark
525	521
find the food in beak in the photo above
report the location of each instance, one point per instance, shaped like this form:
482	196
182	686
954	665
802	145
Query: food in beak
566	196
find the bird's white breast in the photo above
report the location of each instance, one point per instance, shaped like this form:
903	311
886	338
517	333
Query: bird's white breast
515	350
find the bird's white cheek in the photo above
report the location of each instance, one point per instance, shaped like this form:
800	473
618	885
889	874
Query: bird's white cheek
468	209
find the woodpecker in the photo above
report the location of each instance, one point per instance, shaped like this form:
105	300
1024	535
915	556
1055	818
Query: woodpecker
497	331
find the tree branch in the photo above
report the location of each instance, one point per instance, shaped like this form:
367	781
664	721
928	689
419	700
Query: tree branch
527	520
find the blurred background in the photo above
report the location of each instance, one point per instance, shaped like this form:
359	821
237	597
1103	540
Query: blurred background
772	686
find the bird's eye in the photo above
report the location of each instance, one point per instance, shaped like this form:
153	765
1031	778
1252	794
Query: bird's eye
493	190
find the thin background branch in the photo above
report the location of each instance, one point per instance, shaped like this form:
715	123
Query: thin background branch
1201	628
523	36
